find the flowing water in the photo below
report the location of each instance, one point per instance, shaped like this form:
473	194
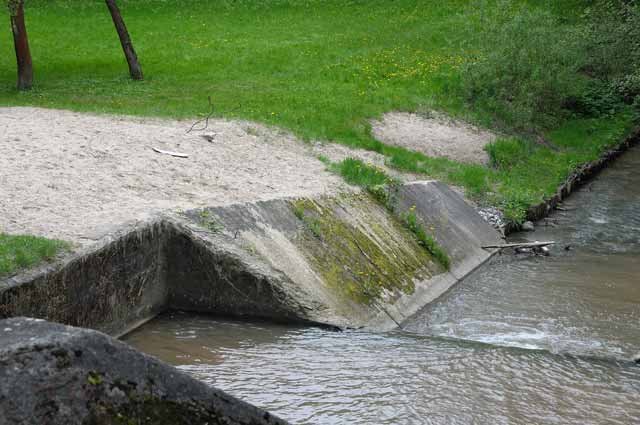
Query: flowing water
524	340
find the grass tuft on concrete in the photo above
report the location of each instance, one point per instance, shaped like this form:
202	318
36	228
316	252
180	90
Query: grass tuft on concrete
374	180
356	172
22	251
425	240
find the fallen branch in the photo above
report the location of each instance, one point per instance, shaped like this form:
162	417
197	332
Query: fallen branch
535	244
205	120
176	154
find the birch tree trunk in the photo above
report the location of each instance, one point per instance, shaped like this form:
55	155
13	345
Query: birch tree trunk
127	46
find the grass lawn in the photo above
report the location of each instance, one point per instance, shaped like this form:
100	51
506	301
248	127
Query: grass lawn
320	68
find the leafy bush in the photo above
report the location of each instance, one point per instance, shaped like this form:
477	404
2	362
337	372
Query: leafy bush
598	99
525	66
534	67
612	34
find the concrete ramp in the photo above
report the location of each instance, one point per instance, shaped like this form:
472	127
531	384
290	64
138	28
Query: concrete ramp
344	260
457	228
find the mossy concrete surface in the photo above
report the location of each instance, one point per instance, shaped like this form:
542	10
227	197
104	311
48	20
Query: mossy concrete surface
59	375
455	226
344	260
349	261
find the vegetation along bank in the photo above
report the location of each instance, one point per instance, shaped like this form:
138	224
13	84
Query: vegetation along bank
559	81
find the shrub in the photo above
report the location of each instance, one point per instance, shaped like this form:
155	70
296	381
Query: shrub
525	66
612	34
533	67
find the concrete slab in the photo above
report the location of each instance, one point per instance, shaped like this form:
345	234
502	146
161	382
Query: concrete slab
59	375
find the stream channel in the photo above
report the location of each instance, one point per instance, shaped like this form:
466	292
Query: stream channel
523	340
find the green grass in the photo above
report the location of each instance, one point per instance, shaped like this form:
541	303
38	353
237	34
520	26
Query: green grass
411	221
373	179
356	172
21	251
320	68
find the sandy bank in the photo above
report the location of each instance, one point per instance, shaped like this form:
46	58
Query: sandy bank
78	176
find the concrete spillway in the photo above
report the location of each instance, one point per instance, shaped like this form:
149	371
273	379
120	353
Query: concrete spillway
344	261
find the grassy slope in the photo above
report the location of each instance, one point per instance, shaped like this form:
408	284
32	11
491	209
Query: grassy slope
318	68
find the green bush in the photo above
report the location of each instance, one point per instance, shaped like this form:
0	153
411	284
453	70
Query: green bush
525	65
531	68
612	34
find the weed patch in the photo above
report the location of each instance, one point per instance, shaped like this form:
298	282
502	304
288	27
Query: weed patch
411	221
21	251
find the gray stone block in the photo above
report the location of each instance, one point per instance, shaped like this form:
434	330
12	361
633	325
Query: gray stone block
52	374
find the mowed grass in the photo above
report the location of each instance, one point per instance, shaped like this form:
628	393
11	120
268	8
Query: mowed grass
22	251
320	68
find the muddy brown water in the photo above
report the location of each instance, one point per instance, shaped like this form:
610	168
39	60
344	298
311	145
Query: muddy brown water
524	340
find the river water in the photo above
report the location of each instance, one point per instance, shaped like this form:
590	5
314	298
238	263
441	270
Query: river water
524	340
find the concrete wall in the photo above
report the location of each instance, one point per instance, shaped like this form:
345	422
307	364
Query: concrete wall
343	260
457	228
110	288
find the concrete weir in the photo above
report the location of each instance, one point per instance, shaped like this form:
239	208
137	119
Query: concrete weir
345	261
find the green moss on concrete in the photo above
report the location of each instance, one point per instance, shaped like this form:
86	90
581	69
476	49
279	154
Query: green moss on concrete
153	411
357	254
425	240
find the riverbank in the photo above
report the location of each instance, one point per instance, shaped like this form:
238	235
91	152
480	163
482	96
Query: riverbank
337	67
575	180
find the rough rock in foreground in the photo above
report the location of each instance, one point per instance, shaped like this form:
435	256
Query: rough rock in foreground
55	374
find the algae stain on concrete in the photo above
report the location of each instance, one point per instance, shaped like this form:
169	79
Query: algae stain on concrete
362	252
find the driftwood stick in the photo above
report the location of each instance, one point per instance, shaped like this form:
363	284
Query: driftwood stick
535	244
176	154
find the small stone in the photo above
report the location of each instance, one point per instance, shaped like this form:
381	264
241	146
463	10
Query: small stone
543	250
528	226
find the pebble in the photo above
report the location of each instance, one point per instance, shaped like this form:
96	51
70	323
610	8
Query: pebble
493	216
528	226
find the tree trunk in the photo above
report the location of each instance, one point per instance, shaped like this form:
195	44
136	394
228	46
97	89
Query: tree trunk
21	43
132	59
